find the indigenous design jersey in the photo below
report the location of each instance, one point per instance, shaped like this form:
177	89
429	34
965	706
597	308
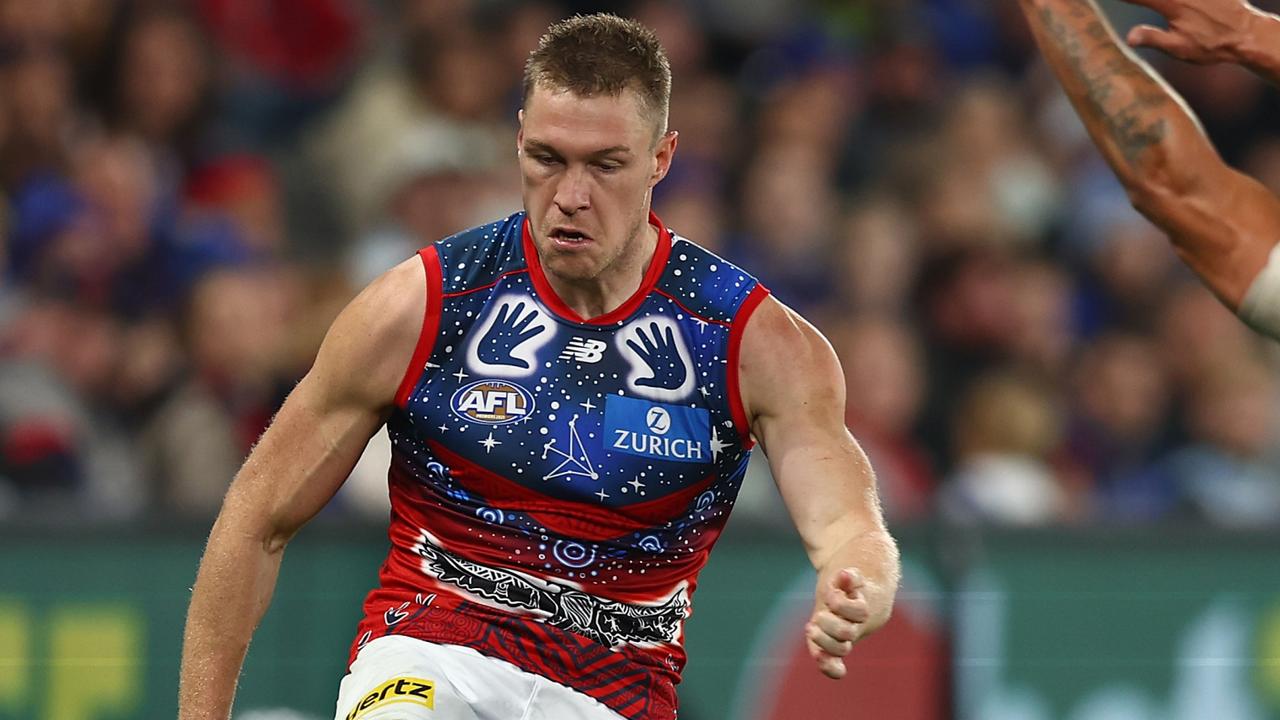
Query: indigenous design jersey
557	483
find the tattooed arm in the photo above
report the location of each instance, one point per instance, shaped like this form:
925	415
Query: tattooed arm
1222	223
1214	31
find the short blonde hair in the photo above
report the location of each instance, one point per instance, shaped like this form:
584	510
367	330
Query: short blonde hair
603	54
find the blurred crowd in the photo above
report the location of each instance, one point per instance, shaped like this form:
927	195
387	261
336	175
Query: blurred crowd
189	191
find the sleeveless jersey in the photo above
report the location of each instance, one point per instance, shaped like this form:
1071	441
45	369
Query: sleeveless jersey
557	483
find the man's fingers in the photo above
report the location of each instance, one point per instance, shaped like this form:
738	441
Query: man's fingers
831	666
1163	40
833	635
839	629
832	631
826	643
852	608
849	580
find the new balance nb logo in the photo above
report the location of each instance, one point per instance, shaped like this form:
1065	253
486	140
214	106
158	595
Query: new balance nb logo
583	350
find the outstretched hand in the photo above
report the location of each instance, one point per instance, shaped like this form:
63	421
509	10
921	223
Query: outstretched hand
659	351
838	621
1200	31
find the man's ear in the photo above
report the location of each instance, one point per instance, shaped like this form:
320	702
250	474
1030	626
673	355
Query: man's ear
664	153
519	131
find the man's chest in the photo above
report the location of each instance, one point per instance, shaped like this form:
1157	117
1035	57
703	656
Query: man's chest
614	415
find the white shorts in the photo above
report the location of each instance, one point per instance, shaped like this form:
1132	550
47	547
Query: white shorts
402	678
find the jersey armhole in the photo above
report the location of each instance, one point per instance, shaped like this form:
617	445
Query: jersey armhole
736	409
430	325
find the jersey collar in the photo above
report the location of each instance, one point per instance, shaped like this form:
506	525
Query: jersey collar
553	302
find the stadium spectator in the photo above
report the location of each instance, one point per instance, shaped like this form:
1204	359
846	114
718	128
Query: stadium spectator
884	377
1229	473
1008	436
1119	427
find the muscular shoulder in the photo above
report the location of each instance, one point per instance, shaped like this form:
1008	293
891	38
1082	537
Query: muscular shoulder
370	344
787	365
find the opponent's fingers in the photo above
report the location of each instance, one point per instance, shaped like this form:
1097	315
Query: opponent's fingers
831	666
849	580
1166	41
849	607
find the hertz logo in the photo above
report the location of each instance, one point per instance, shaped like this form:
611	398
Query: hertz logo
397	690
493	402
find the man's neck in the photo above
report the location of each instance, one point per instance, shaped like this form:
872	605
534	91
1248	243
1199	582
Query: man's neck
615	285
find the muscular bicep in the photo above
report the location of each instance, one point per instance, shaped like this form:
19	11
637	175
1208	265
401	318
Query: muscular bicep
794	394
1223	227
322	428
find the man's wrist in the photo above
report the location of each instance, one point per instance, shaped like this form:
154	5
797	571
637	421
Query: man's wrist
1257	46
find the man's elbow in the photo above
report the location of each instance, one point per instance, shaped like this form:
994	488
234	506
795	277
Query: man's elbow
1169	205
246	525
1179	207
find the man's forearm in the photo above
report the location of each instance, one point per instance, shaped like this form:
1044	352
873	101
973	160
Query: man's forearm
233	588
1144	130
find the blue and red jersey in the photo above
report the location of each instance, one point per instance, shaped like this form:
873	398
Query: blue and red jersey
558	482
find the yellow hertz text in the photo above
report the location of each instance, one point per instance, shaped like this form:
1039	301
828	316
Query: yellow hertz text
397	690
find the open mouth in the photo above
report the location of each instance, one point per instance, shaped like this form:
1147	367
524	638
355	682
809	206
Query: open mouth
569	236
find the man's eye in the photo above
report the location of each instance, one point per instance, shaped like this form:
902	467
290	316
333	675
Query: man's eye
608	167
545	160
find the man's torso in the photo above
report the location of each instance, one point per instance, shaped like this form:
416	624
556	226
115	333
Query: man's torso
557	484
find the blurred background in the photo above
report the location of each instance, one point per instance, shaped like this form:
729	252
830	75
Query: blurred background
1076	444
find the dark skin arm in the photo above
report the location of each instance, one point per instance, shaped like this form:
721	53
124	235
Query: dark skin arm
1214	31
1222	223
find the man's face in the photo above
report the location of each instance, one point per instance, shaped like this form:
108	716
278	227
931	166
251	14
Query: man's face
587	167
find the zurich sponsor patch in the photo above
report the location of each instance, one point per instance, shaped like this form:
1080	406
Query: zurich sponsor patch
492	402
657	430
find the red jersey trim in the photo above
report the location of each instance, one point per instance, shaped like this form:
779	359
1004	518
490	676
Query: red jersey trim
430	325
553	302
460	293
736	409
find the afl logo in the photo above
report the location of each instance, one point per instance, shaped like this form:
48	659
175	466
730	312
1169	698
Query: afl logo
492	402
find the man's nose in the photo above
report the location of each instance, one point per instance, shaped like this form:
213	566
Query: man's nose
573	192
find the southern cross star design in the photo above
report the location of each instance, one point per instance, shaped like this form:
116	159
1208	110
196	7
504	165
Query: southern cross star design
489	442
576	462
717	447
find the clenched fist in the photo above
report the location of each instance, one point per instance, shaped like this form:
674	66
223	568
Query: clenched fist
838	621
